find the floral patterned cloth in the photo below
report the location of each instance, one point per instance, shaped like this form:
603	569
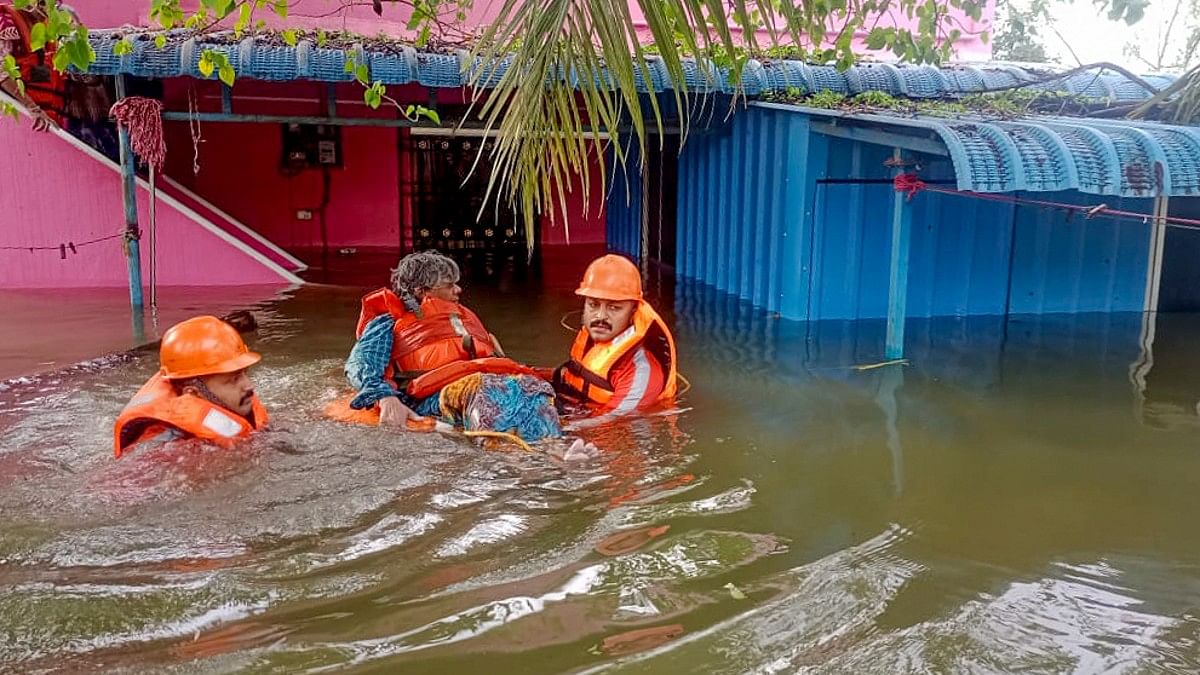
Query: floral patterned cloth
8	36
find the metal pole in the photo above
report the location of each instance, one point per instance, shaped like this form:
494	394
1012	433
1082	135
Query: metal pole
898	284
1158	238
129	183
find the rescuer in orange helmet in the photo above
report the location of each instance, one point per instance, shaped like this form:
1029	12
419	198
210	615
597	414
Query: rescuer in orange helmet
201	390
623	358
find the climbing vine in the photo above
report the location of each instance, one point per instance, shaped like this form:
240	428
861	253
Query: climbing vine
1008	104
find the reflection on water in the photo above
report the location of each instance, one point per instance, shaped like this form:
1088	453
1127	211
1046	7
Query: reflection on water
1017	498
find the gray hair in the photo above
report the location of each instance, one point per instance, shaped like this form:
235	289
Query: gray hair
419	272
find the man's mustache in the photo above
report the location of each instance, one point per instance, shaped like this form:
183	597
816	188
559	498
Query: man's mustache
601	324
247	398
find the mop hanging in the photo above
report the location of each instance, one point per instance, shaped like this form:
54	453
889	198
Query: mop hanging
142	118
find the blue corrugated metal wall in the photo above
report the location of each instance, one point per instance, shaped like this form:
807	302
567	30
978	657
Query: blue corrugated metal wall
1075	264
800	224
742	207
623	207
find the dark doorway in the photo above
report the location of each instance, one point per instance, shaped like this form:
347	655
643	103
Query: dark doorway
447	194
660	190
1179	289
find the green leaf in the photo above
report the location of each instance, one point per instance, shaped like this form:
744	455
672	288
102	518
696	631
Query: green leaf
243	20
37	37
322	39
431	115
281	8
361	73
735	592
205	65
10	67
289	36
350	64
123	47
372	98
160	41
10	110
227	74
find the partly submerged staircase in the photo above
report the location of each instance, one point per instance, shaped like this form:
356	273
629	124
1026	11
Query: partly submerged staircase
229	224
62	216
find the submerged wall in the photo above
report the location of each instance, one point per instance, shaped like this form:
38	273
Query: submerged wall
799	223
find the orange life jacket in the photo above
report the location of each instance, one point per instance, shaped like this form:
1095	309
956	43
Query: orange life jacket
586	375
157	408
44	85
446	342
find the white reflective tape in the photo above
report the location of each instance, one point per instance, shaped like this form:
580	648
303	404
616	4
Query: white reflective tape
625	335
457	324
222	424
139	400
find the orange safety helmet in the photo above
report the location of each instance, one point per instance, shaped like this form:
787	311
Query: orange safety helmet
611	277
203	345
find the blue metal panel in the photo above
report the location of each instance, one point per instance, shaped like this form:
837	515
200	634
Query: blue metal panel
623	207
806	161
1067	263
727	196
958	257
748	215
1180	289
732	225
764	195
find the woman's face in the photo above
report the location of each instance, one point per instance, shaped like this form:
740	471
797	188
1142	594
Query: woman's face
448	291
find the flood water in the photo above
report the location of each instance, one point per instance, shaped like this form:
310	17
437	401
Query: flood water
1020	497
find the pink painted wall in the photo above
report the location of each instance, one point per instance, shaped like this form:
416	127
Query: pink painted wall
239	169
587	225
56	193
361	19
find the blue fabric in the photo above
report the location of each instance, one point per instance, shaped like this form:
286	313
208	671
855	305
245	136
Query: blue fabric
367	362
519	404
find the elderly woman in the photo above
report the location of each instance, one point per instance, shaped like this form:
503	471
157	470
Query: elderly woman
420	354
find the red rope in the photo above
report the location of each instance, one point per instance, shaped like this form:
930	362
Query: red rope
910	184
143	118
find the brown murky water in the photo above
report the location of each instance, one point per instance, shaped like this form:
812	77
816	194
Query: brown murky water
1020	498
